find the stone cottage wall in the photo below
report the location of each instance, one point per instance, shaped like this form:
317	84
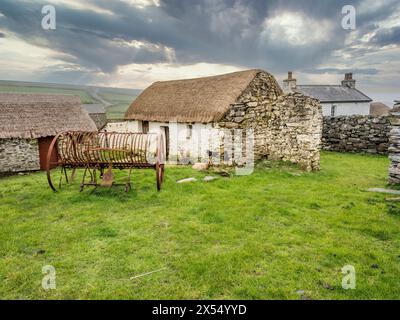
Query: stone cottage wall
17	155
286	127
293	130
394	147
368	134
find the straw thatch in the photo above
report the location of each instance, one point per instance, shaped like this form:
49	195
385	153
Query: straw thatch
40	115
194	100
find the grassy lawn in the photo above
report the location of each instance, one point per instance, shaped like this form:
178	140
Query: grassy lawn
263	236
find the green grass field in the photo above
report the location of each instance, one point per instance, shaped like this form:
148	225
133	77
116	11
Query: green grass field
120	99
117	111
85	97
120	103
263	236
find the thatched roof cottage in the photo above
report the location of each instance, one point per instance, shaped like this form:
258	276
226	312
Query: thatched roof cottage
28	123
285	126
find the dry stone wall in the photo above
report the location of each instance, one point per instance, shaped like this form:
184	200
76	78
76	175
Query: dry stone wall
17	155
286	127
394	148
366	134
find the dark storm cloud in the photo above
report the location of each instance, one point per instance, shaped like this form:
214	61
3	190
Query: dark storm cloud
215	31
98	41
387	36
229	31
2	35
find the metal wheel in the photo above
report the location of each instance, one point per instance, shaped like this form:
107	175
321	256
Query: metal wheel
159	175
56	175
162	173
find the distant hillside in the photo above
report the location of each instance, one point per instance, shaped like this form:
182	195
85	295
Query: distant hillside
115	100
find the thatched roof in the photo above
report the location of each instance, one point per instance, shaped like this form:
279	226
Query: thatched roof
379	109
193	100
40	115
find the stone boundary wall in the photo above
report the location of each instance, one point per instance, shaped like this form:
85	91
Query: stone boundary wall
394	148
18	155
364	134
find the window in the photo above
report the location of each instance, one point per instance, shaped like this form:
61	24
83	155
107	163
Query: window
189	131
333	111
145	126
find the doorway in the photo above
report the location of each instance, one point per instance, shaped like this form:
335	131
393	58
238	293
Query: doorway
165	132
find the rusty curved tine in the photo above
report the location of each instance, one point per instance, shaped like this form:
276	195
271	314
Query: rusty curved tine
132	148
144	153
116	155
136	149
126	148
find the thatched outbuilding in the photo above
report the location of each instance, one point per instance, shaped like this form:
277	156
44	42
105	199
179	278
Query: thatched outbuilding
192	112
28	123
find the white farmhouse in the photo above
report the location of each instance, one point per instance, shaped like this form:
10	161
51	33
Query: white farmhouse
336	100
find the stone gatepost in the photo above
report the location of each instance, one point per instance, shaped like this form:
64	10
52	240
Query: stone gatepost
394	148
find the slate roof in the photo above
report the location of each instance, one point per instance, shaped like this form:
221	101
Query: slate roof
332	93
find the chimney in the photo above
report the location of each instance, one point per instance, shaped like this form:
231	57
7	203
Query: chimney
289	84
349	81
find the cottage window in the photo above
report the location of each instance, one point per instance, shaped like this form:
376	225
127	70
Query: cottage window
145	126
189	131
333	111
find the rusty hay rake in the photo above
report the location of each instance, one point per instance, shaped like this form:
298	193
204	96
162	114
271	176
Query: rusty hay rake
98	153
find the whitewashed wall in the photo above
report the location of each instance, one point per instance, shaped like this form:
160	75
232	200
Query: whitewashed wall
123	126
183	148
346	109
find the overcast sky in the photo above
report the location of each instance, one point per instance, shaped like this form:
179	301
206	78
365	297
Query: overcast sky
132	43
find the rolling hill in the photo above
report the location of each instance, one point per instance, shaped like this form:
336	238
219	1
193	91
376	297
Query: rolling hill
115	100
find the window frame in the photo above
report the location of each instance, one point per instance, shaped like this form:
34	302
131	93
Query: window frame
189	131
333	110
145	126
